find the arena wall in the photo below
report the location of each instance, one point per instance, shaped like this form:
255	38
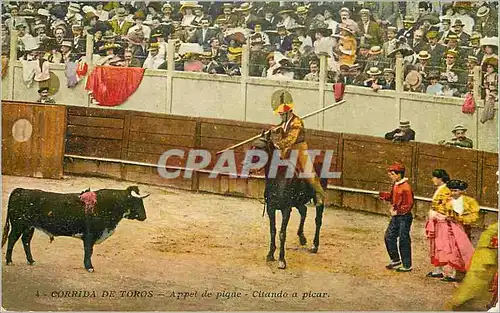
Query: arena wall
247	99
124	144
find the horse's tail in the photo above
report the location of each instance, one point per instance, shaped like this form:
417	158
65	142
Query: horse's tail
6	229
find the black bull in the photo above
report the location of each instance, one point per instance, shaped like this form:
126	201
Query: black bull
59	214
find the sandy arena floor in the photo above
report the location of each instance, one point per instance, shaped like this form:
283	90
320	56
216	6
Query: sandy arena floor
195	242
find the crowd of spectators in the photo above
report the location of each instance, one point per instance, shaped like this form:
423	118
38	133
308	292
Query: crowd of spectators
440	42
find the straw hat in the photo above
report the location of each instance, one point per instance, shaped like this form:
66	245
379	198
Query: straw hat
475	36
404	124
121	12
472	58
458	127
423	55
302	10
66	43
111	46
413	79
374	71
409	19
404	51
493	61
154	46
244	7
458	22
489	41
483	11
375	50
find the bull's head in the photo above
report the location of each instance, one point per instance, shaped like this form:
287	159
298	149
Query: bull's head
135	210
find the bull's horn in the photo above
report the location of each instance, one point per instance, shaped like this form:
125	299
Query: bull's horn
136	195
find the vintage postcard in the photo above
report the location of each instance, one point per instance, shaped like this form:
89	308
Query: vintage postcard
249	156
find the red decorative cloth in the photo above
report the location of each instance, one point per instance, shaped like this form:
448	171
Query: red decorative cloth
89	200
111	85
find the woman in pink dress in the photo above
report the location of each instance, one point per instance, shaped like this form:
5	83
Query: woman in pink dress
450	247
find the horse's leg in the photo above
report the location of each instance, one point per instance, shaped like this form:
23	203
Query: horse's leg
319	221
286	217
303	213
272	224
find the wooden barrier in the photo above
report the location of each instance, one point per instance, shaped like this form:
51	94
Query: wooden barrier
134	141
33	139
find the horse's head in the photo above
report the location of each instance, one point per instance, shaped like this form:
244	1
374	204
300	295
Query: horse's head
264	144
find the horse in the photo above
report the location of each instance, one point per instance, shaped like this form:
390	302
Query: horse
282	193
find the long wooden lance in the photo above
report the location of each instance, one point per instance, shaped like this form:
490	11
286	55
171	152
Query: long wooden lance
276	127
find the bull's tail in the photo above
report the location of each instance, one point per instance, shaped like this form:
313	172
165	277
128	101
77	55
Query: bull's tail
6	229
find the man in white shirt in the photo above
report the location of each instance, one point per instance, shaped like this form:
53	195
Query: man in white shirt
154	59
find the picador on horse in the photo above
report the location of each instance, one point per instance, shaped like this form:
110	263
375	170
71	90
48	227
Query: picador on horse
282	193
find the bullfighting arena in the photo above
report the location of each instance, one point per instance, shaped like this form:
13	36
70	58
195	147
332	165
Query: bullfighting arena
194	244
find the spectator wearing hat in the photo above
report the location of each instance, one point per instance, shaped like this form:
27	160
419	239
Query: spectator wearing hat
490	48
403	133
423	65
345	76
409	26
390	79
462	9
458	29
375	82
417	43
245	14
24	39
300	33
44	96
286	16
475	46
66	52
487	21
345	18
445	29
452	73
79	40
460	140
389	43
447	12
204	35
490	68
369	29
332	24
376	58
346	48
218	54
413	82
129	60
111	56
228	16
118	24
100	12
200	15
434	87
434	48
187	13
269	16
154	59
139	26
401	199
73	16
282	42
294	55
302	13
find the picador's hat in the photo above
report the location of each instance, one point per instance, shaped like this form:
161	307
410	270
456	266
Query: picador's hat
281	101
